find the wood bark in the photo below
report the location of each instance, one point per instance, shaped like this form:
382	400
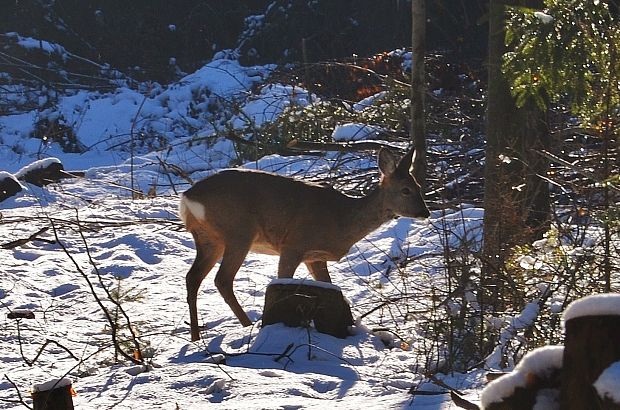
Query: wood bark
8	188
55	399
298	305
591	345
418	89
524	398
54	172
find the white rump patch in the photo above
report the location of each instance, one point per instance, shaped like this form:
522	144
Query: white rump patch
195	208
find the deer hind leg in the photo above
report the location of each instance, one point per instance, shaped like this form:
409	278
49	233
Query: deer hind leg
318	270
231	262
207	254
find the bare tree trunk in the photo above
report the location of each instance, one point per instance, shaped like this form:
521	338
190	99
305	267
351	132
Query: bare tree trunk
418	89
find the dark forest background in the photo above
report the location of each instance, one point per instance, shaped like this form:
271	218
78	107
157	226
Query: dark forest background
140	37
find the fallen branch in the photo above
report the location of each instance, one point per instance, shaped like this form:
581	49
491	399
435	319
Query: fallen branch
461	402
32	238
351	146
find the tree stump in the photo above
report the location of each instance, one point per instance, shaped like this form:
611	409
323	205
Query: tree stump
53	395
20	314
592	344
535	380
297	302
42	172
9	185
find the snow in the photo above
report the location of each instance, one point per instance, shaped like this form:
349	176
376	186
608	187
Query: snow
547	399
607	383
529	262
32	43
355	132
543	17
232	366
103	122
540	362
7	175
369	101
593	305
50	385
269	104
511	326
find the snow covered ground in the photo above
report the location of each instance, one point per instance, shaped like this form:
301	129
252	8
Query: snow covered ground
140	249
152	254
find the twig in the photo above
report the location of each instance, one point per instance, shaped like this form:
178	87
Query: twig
132	147
116	304
19	395
441	383
31	363
575	168
284	353
174	169
97	299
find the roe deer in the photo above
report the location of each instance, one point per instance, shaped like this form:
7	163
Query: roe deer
236	211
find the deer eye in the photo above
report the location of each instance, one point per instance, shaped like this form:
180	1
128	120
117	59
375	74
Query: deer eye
406	191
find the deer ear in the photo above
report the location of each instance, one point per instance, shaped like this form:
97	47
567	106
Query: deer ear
405	165
386	161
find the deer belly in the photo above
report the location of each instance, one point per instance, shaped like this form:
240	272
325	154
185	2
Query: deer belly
264	248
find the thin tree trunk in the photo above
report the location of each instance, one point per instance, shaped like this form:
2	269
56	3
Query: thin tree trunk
418	128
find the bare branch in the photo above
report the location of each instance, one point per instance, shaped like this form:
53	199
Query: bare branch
31	238
352	146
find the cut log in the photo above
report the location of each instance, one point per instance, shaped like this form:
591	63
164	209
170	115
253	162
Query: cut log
592	344
44	176
535	380
299	302
20	314
53	395
43	172
9	185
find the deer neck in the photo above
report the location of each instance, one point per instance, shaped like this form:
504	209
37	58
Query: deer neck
367	214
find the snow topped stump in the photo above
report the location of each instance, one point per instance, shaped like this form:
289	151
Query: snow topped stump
592	345
534	383
297	302
53	395
9	185
42	172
